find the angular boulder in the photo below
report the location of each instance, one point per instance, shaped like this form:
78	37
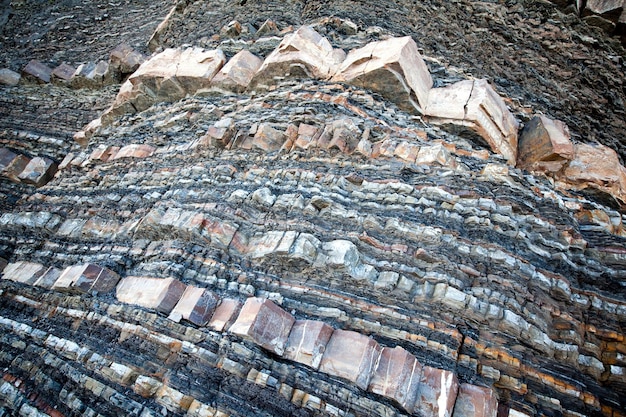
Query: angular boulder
475	401
92	75
160	294
544	144
12	164
125	60
352	356
37	71
225	314
307	342
196	305
238	72
397	376
264	323
437	392
393	68
62	74
86	278
302	54
8	77
220	134
476	105
38	171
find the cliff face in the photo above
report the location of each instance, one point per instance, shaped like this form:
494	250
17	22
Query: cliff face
312	208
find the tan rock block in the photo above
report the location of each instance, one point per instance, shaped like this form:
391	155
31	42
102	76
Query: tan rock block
393	68
104	153
37	71
8	77
24	272
307	342
434	154
225	314
197	67
146	386
12	164
125	59
397	376
437	392
221	232
307	136
475	401
38	171
62	74
238	72
475	104
268	138
304	54
48	278
544	139
220	134
352	356
135	151
172	399
196	305
407	151
277	242
86	278
160	294
264	323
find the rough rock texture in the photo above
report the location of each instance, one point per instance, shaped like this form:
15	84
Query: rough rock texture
301	245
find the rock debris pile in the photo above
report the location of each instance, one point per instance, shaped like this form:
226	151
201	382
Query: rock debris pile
303	221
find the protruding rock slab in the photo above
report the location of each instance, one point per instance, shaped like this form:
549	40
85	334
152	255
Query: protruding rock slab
37	71
437	392
12	164
124	59
196	305
8	77
352	356
393	68
160	294
307	342
398	377
38	171
134	151
264	323
24	272
596	166
475	401
544	140
86	278
475	104
225	314
304	53
62	74
238	72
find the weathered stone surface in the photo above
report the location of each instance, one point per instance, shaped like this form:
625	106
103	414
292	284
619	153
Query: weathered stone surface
266	138
437	392
264	323
610	9
92	75
237	74
219	134
24	272
48	278
393	68
225	314
544	140
124	59
86	278
104	153
38	171
352	356
475	401
196	305
302	54
8	77
397	376
307	342
62	74
134	151
475	104
12	164
37	71
160	294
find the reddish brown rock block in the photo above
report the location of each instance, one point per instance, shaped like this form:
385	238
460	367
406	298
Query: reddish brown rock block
86	278
12	164
476	105
62	74
475	401
397	376
544	140
24	272
220	134
124	59
160	294
264	323
48	278
268	138
307	342
352	356
37	71
437	392
393	68
104	153
225	314
38	171
135	151
307	136
304	54
196	305
237	74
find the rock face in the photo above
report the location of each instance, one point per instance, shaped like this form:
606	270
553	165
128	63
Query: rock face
307	228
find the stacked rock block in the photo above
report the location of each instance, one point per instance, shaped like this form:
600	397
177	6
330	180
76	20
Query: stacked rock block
22	169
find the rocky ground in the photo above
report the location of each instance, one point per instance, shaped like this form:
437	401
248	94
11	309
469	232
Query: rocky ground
390	229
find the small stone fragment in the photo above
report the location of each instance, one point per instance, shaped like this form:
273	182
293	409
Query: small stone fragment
264	323
196	305
307	342
160	294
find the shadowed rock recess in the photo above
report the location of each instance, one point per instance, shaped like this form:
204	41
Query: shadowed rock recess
312	208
